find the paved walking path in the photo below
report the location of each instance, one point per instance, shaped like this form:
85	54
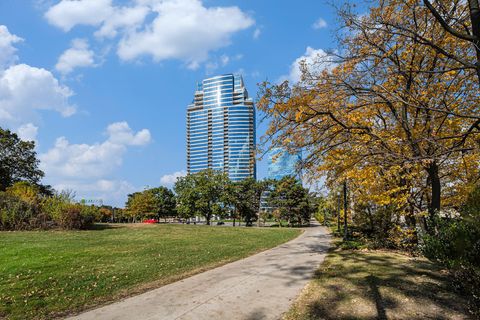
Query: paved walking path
262	286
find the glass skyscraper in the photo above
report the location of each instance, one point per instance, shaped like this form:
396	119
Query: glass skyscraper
221	128
281	163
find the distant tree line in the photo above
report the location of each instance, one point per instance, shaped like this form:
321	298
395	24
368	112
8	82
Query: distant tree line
210	193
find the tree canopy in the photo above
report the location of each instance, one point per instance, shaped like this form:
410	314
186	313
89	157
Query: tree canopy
388	111
203	193
291	201
245	198
18	160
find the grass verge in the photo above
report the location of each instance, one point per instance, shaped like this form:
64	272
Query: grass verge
375	284
53	273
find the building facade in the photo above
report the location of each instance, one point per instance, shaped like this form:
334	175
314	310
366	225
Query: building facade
221	128
281	163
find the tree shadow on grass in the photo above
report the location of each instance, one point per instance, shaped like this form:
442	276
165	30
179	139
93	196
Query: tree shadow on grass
379	285
106	226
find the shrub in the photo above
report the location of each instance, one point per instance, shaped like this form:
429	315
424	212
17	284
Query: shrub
55	206
402	238
319	217
73	216
89	214
456	244
68	215
25	191
15	214
21	208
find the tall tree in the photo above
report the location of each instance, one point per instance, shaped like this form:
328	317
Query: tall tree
18	160
245	198
164	201
141	204
453	17
392	114
291	200
202	193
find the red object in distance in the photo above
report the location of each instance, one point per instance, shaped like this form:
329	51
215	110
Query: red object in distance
150	221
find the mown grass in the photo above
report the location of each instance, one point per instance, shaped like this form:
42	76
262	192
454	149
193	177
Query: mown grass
49	274
374	284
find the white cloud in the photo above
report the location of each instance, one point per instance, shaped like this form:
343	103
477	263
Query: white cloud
68	13
169	180
319	24
179	29
125	18
28	132
86	168
221	62
25	90
314	60
79	55
257	33
120	133
82	161
184	30
7	50
111	192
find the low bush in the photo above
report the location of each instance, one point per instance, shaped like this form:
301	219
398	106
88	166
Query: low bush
22	208
402	238
456	244
15	214
320	217
68	215
73	216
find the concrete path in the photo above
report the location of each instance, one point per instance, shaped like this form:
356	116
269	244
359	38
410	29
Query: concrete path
262	286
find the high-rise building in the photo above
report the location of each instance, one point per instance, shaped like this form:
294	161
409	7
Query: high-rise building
221	128
281	163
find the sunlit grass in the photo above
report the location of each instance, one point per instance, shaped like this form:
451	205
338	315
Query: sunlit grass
47	274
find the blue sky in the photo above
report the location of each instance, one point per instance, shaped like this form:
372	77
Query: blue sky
102	85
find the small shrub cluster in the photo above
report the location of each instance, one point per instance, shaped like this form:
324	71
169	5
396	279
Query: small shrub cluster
22	207
15	214
456	244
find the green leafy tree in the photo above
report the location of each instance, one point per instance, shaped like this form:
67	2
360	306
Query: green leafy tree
164	202
17	160
203	193
245	198
186	197
141	204
291	201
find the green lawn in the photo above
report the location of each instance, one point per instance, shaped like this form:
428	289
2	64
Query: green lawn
53	273
353	284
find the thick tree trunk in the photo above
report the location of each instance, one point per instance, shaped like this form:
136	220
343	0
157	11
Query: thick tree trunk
436	189
338	213
345	212
370	219
475	18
